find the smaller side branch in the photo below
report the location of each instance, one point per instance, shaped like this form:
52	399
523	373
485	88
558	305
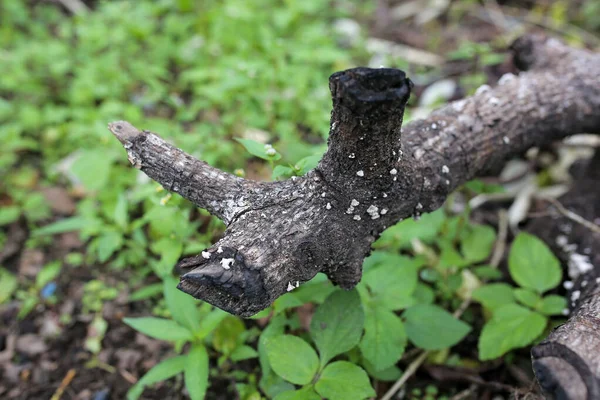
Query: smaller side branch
222	194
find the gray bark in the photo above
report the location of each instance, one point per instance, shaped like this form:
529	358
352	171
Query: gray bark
567	363
374	174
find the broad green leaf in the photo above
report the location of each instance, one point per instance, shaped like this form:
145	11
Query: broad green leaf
527	297
243	352
9	214
343	380
196	372
306	393
477	244
93	167
8	284
450	257
258	149
281	171
210	322
494	295
511	327
401	234
48	273
532	265
384	340
226	336
159	328
337	324
183	307
551	305
160	372
107	243
292	358
393	282
430	327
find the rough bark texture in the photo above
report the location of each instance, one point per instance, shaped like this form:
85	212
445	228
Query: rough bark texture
374	174
567	363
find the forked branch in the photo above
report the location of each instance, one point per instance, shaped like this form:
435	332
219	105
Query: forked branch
281	234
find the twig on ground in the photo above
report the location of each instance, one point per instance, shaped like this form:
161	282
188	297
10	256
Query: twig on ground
63	385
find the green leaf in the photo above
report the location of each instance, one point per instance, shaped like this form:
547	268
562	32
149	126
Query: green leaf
384	340
63	225
532	265
258	149
9	214
389	374
551	305
343	380
159	328
8	284
243	352
487	272
183	307
210	322
337	324
93	167
511	327
430	327
477	244
393	281
306	393
48	273
120	214
107	244
527	297
196	372
292	358
281	171
160	372
401	234
146	292
228	335
494	295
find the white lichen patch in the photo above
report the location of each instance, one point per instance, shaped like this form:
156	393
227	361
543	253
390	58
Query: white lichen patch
494	101
352	155
482	89
291	286
220	249
328	206
568	285
360	173
506	140
206	255
445	169
385	195
418	154
373	211
419	206
579	264
394	171
226	263
504	79
323	194
354	203
384	211
357	217
561	240
575	295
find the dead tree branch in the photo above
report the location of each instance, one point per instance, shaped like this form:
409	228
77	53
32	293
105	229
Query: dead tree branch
374	174
567	363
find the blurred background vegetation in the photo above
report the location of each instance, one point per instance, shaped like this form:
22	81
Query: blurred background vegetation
85	240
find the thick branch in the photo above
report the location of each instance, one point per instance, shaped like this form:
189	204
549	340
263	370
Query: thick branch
280	234
567	363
